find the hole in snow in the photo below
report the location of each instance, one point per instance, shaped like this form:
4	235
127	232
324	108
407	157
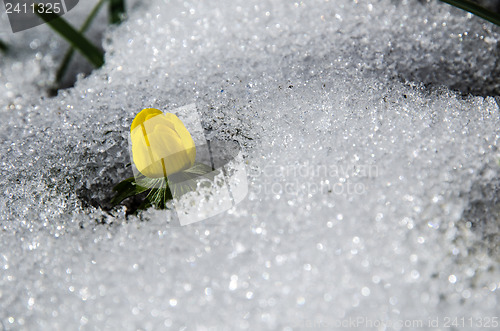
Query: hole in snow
482	217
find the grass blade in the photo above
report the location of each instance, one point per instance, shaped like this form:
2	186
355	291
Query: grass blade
116	11
75	38
476	10
3	47
69	54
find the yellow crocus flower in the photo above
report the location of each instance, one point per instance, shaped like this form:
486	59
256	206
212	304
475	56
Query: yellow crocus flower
161	144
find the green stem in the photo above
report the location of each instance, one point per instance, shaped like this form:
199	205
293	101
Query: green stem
69	54
116	11
3	47
476	10
75	38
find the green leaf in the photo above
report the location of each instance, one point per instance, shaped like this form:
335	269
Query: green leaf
158	197
116	11
181	188
152	183
75	38
199	168
476	10
185	181
161	190
69	54
126	189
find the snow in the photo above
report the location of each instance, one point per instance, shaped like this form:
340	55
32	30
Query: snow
373	174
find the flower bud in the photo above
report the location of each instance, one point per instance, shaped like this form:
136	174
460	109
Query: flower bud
161	144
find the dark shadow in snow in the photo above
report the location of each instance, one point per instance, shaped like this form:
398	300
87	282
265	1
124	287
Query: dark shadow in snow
482	216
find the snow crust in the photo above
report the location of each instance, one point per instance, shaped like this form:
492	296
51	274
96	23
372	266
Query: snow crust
373	173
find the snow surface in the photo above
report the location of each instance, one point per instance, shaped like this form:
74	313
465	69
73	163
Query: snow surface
370	197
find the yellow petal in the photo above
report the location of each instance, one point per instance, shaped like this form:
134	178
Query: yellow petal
161	144
143	116
185	136
141	152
